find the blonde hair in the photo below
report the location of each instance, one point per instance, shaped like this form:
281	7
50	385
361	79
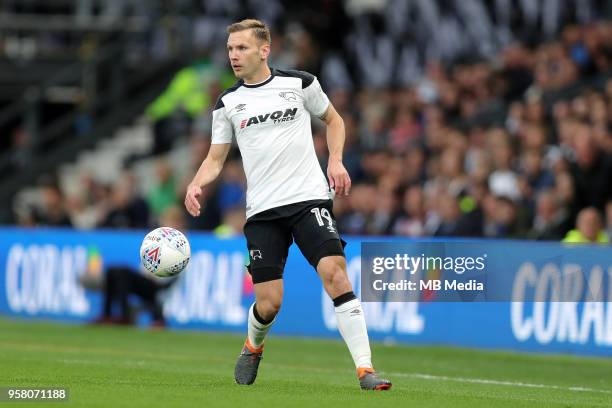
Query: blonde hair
260	29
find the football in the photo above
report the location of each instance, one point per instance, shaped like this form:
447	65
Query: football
165	252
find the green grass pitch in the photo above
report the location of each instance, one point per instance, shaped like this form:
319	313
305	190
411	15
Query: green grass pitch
112	367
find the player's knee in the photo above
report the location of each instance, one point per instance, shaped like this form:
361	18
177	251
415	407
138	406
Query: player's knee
339	281
333	273
268	308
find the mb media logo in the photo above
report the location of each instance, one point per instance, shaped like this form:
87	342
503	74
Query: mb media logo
276	116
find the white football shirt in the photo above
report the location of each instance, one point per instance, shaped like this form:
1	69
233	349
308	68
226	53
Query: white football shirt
271	124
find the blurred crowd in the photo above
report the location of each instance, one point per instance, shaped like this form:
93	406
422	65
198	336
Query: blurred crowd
422	165
516	145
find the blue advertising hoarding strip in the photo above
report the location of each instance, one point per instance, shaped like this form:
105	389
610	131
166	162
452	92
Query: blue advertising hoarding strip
41	268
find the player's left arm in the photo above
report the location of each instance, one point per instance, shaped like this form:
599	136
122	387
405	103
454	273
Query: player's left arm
339	178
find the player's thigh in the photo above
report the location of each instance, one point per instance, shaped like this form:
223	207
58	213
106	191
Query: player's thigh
316	234
268	244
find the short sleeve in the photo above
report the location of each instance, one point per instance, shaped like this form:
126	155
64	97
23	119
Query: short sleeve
222	130
315	100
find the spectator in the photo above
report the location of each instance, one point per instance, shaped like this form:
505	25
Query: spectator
190	94
449	213
232	188
504	182
126	209
589	228
535	175
591	170
385	211
550	219
232	224
504	220
411	221
609	220
52	211
163	194
356	221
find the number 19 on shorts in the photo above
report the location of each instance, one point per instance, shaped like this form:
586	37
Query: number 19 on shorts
323	214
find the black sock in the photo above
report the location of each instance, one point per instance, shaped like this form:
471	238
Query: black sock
342	299
258	317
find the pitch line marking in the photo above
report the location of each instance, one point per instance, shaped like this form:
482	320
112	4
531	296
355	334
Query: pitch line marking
432	377
496	382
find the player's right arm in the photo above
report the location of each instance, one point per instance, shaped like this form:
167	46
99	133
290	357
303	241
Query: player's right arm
207	173
222	133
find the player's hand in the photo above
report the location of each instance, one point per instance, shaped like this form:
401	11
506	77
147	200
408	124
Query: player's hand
192	203
339	179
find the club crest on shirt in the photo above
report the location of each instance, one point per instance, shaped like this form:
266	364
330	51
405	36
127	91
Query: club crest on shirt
290	96
255	254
